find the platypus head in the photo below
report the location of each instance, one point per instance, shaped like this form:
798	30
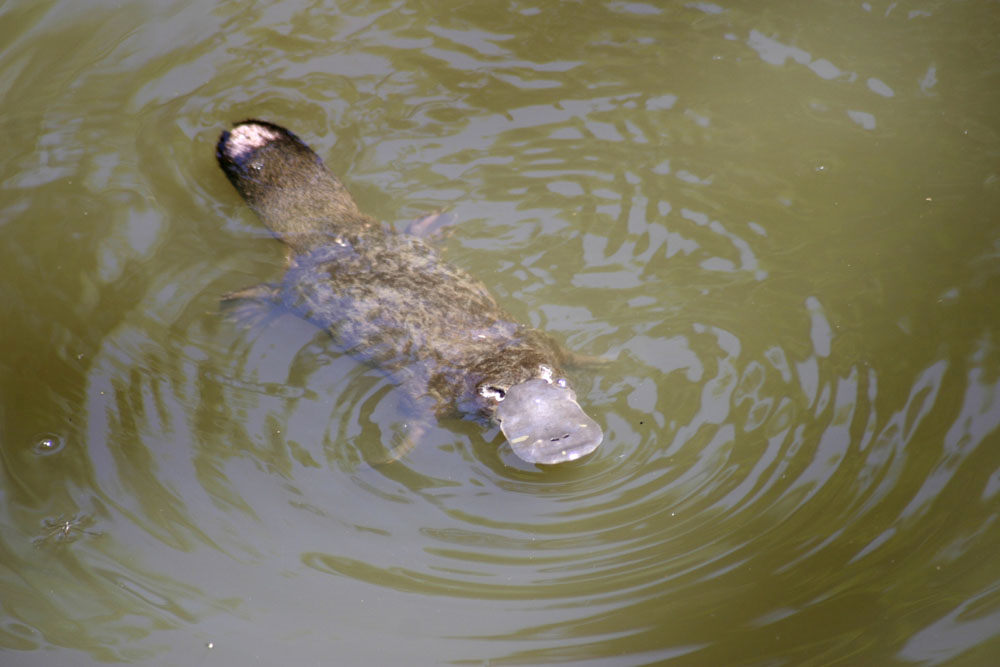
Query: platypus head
542	420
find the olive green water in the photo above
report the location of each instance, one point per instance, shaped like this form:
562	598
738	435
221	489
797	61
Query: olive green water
781	220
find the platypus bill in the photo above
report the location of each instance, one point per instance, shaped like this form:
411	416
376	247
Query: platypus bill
388	298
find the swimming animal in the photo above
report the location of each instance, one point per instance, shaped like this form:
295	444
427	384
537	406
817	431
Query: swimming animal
388	298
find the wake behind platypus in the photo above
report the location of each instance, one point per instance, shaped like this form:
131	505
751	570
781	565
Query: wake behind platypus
388	298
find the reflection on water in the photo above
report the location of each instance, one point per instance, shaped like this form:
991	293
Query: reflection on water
782	241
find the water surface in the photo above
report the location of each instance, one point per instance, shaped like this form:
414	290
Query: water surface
779	221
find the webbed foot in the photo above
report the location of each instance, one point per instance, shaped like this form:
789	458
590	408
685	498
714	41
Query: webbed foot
251	306
405	439
435	225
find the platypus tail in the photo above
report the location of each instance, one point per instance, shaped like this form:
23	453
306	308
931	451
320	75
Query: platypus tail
288	186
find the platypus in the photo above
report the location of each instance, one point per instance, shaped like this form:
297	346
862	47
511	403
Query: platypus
387	297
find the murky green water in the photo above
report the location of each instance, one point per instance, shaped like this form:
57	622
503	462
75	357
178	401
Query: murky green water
780	219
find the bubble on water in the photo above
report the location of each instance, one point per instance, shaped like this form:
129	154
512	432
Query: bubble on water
47	444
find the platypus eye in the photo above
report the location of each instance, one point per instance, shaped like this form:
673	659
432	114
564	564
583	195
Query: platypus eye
496	393
561	382
545	373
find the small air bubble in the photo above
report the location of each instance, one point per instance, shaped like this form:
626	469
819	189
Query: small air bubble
47	444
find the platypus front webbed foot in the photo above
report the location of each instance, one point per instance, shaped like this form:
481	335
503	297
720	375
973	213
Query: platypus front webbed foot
544	424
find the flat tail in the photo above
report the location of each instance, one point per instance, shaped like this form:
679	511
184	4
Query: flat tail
288	186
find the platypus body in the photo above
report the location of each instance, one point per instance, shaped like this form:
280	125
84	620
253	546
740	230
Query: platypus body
388	298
